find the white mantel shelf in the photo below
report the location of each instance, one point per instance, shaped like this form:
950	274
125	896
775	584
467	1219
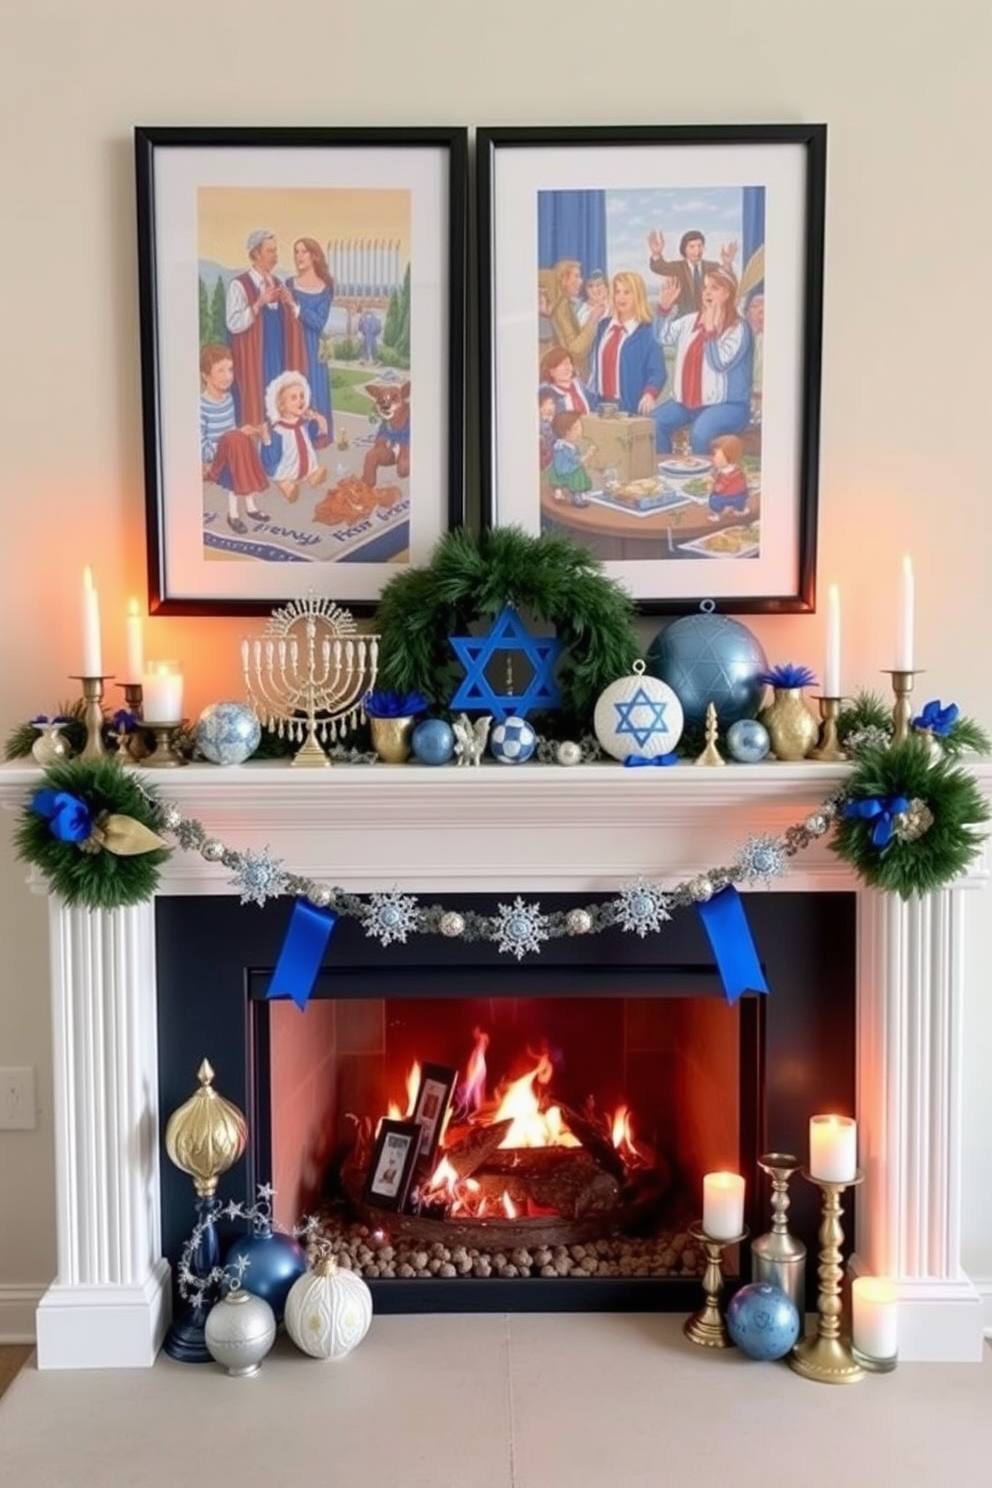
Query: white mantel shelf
529	829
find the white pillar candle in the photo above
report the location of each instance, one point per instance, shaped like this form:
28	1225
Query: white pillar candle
162	692
833	1148
134	666
906	617
723	1205
874	1317
831	669
92	650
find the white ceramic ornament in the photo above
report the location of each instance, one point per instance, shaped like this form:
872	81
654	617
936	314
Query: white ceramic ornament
638	716
328	1311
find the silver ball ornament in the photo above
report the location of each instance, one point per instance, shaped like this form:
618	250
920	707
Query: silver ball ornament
816	824
171	817
710	658
568	752
212	850
579	921
701	889
320	895
748	741
452	924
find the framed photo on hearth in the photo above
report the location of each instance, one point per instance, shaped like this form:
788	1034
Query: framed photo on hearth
437	1086
393	1161
651	325
302	320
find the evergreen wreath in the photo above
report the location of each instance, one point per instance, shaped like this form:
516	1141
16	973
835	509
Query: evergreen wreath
909	824
85	871
472	577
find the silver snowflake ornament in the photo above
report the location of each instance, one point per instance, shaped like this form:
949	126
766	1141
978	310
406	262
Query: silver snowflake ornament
641	907
259	876
521	927
389	917
761	857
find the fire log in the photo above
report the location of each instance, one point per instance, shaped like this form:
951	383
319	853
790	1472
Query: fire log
476	1147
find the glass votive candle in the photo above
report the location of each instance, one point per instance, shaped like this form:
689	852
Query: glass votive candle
874	1323
162	692
833	1148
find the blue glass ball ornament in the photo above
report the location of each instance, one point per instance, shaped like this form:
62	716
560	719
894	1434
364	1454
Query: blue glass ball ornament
748	741
513	741
710	659
227	733
433	741
274	1261
762	1321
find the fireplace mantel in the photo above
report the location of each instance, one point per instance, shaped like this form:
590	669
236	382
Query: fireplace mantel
496	829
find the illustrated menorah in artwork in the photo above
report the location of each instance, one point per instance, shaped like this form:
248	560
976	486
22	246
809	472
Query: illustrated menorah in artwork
306	676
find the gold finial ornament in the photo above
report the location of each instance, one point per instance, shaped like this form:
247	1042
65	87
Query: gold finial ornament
207	1135
711	755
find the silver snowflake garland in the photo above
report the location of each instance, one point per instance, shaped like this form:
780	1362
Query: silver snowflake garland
259	876
452	924
389	917
171	817
319	895
642	908
579	922
212	850
761	857
701	889
816	824
520	927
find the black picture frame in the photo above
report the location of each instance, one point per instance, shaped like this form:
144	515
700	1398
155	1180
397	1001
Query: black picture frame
437	1086
387	210
547	196
391	1169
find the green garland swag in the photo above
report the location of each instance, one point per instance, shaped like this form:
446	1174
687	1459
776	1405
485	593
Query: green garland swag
471	577
909	823
95	873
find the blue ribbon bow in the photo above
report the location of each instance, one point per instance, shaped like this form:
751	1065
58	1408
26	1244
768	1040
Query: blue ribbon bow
69	819
726	924
302	952
633	760
938	720
881	810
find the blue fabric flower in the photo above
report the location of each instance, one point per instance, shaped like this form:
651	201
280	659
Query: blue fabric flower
938	720
788	675
69	818
394	704
881	810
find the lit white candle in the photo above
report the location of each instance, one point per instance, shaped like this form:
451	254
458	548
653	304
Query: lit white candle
906	617
92	650
831	670
723	1205
833	1148
162	692
874	1317
135	650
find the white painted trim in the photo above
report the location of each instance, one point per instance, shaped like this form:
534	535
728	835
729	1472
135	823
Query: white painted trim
17	1310
983	1285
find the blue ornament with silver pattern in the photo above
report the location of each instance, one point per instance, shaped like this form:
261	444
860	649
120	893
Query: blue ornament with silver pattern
709	658
433	741
762	1320
227	733
748	741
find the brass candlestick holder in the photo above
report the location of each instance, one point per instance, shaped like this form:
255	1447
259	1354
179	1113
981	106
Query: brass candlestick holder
825	1356
94	748
707	1326
134	745
902	708
828	747
165	755
779	1257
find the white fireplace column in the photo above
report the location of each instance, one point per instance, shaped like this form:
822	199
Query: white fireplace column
110	1303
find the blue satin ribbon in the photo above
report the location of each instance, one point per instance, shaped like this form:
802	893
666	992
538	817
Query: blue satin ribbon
302	952
938	720
633	760
726	924
69	818
880	810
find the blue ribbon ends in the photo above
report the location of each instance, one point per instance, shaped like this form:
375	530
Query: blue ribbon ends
302	952
726	924
938	720
69	819
880	810
633	760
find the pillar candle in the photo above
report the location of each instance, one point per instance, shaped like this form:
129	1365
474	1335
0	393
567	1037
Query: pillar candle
831	669
162	692
906	618
874	1317
135	654
723	1205
92	665
833	1148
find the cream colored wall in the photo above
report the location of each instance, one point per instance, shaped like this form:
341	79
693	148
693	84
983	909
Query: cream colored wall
905	393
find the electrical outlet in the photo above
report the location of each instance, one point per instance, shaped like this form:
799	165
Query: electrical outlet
17	1111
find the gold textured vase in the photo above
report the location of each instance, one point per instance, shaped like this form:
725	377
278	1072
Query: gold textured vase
792	729
391	738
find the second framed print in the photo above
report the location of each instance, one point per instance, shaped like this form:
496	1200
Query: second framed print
302	298
651	311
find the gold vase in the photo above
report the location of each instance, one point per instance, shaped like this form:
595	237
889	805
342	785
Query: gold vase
792	729
391	738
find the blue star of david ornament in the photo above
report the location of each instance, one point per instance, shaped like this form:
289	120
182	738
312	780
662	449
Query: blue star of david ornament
507	634
640	716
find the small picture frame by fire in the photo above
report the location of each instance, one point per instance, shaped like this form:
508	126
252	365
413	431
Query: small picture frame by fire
437	1084
392	1165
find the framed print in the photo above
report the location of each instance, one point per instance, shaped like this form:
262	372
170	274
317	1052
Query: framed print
651	310
392	1165
437	1084
301	297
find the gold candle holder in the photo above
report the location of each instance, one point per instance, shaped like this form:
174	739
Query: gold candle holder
93	720
165	755
825	1356
902	709
134	745
828	747
707	1326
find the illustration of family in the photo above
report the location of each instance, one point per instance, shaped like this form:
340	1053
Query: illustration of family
687	368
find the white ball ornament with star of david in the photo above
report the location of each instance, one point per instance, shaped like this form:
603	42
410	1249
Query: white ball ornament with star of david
639	716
